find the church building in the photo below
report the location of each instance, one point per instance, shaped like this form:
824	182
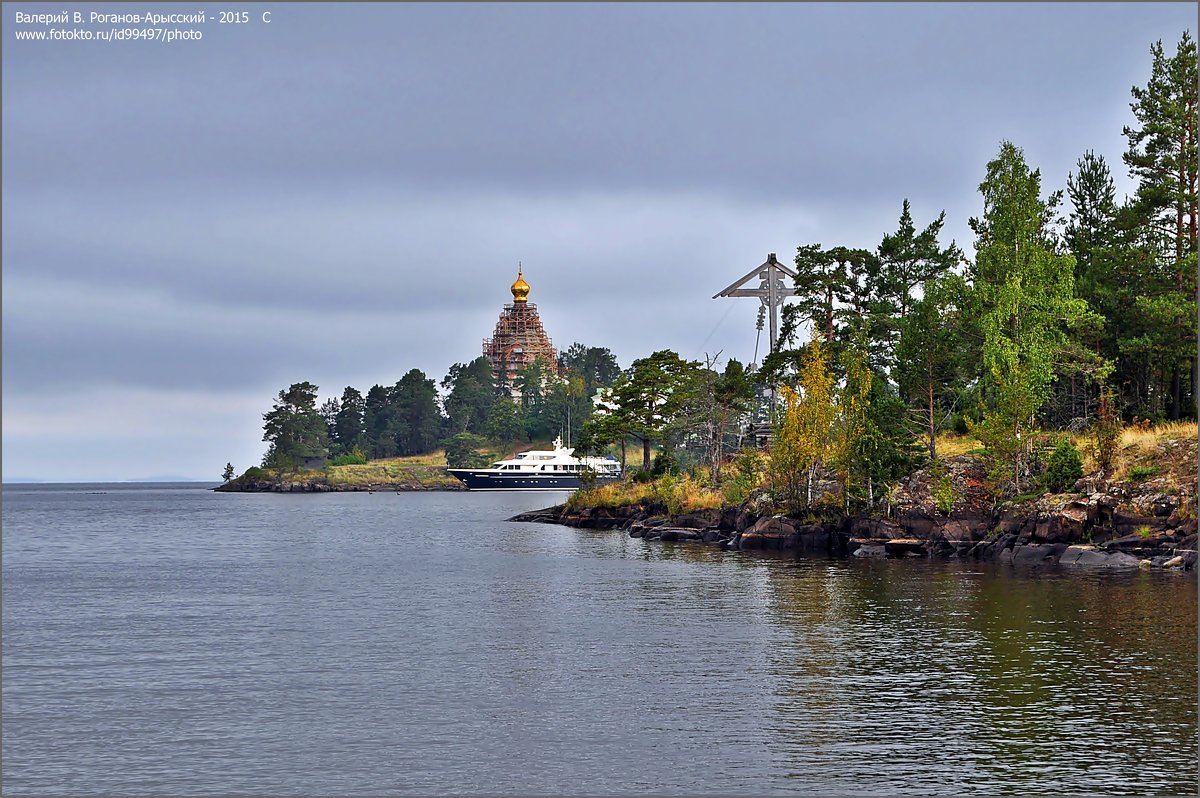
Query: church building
519	340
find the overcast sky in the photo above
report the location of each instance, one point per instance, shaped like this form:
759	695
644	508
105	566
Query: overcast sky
343	194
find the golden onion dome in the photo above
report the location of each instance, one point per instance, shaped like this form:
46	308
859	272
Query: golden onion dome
520	289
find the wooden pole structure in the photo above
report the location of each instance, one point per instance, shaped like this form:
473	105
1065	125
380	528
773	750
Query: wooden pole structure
771	290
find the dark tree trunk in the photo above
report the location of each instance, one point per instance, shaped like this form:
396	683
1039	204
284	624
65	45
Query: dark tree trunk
932	431
1193	410
1174	415
829	316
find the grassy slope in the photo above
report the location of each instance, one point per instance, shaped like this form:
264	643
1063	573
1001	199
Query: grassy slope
424	471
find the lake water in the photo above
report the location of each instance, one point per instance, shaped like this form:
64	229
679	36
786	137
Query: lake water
167	639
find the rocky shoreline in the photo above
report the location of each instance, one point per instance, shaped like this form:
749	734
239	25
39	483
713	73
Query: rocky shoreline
1144	519
1082	531
318	484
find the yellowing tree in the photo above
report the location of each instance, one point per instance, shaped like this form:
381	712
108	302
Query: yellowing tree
804	435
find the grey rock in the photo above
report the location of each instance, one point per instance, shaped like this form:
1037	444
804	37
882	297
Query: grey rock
1091	557
1037	553
871	552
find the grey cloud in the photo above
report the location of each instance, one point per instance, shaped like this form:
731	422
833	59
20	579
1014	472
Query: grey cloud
142	296
796	99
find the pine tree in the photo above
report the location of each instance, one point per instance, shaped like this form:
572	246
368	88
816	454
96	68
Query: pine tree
294	428
416	420
822	278
1162	157
651	396
929	360
348	430
904	261
472	392
1111	271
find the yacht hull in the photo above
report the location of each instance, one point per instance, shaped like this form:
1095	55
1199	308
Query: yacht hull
486	479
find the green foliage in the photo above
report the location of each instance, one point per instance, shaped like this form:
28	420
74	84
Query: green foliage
531	382
379	419
598	432
663	489
872	446
851	421
665	462
1106	432
228	473
1162	157
595	365
293	428
355	457
472	392
506	421
1142	473
1006	433
348	424
929	354
941	487
462	451
549	405
1143	532
649	400
329	411
254	472
887	450
727	401
904	260
1063	468
822	278
744	474
401	420
416	420
1025	310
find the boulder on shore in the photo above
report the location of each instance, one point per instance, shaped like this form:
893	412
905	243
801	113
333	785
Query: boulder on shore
1087	556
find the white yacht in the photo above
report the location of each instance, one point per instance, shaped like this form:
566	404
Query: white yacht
539	470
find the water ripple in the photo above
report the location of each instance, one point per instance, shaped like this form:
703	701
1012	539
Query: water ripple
182	642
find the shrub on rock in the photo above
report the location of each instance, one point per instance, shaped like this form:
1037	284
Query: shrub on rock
1064	467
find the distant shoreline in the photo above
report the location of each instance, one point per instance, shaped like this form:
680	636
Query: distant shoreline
19	483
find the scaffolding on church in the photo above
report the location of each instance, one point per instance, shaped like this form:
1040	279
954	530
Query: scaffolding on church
519	340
